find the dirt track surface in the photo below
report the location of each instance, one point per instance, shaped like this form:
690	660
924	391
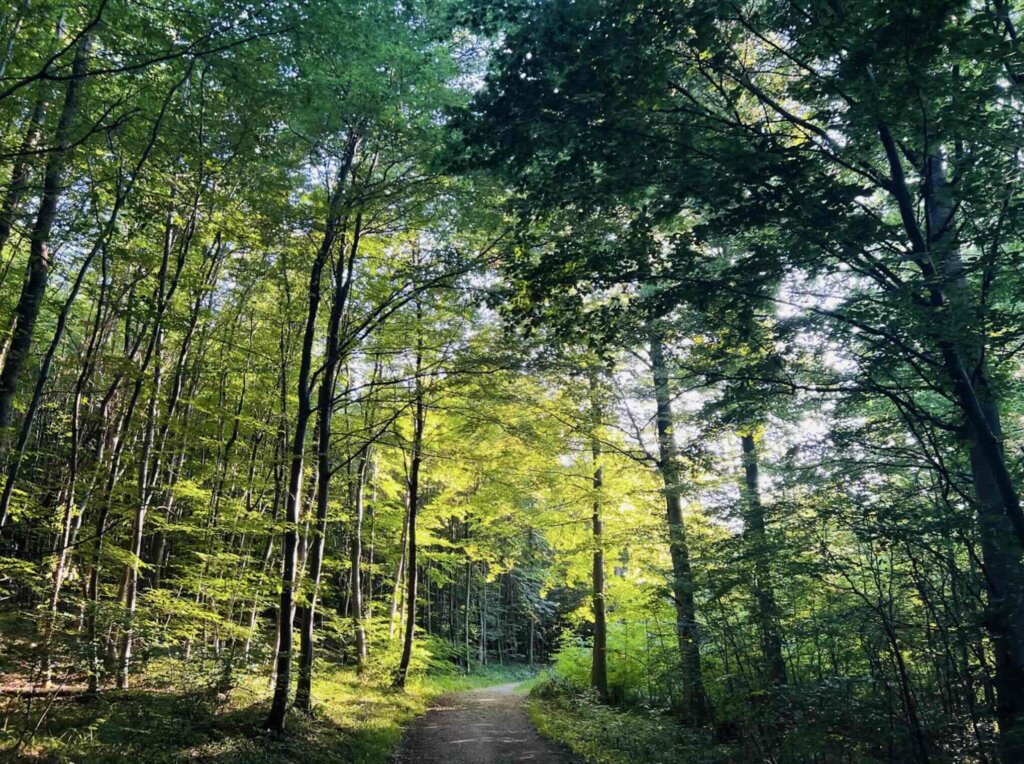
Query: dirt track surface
487	726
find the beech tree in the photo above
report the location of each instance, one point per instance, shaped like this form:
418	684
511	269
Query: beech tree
670	347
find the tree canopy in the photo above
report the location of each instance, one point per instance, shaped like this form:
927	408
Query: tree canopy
671	345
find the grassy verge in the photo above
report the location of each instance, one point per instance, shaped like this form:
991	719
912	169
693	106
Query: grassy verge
176	716
603	735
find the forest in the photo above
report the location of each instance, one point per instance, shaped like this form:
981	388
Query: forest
658	362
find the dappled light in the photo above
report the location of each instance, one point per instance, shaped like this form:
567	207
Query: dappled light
608	381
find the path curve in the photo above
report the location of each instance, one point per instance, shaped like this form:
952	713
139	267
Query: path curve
488	726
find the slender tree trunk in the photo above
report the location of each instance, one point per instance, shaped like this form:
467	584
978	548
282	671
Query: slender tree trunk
167	286
70	520
356	554
280	458
163	295
132	588
696	704
293	499
599	654
482	636
533	628
14	17
93	589
906	692
279	705
469	592
764	593
325	411
419	414
396	597
18	184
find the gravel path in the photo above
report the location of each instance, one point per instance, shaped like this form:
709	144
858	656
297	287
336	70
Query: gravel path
488	726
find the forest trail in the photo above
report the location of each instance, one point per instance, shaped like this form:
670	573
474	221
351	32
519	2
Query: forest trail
487	726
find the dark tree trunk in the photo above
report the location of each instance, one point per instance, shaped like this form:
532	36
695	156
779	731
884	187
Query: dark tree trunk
466	612
764	594
279	704
999	511
1000	519
325	410
38	269
419	414
695	705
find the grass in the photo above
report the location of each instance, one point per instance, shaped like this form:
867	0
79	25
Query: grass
603	735
176	716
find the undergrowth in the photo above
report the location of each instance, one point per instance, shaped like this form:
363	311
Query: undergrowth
177	714
604	735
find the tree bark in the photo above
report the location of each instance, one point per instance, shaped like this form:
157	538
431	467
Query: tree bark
695	703
999	512
38	269
356	554
764	594
599	654
419	414
279	704
325	410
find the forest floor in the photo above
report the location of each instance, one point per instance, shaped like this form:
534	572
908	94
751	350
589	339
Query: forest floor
176	714
485	726
600	734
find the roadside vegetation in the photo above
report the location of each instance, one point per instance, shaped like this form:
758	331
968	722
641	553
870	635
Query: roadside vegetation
179	711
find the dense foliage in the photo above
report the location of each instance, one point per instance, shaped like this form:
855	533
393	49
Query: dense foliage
675	344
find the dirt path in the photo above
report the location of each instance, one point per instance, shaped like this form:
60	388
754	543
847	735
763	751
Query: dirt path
487	726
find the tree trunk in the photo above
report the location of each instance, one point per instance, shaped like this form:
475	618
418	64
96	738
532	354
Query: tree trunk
357	560
69	521
482	636
293	499
167	286
696	705
419	414
279	704
469	591
20	174
162	297
533	627
766	611
325	410
38	268
599	654
131	591
999	511
399	573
